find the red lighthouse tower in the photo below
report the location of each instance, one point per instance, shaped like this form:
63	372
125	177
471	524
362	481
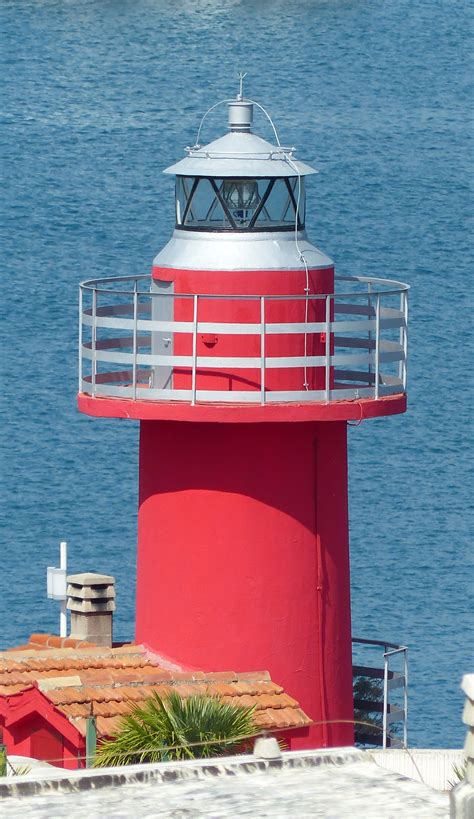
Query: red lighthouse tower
244	357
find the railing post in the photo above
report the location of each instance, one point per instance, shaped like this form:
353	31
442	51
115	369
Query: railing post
193	374
369	332
262	350
94	339
135	322
385	700
405	339
327	368
405	699
377	345
80	338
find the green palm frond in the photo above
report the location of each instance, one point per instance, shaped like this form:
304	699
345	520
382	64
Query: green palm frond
177	728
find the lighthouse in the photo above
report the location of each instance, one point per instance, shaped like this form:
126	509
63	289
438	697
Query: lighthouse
244	356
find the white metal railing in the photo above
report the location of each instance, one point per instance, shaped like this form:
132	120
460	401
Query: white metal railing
362	336
372	687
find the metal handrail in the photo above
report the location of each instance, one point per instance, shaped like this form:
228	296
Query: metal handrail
344	375
395	286
390	679
387	645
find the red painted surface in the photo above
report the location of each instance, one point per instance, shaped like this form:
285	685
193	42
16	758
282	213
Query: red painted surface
250	282
359	410
243	557
35	728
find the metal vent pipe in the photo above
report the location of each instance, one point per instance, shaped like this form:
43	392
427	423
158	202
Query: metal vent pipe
240	115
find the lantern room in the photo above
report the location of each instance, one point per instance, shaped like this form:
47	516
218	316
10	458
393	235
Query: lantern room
211	204
240	182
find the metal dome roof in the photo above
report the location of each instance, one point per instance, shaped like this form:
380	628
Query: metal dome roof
240	153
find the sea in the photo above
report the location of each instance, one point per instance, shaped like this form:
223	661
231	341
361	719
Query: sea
99	97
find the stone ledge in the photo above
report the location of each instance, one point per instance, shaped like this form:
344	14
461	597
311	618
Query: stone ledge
61	781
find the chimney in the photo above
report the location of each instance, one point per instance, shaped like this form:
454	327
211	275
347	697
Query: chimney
91	601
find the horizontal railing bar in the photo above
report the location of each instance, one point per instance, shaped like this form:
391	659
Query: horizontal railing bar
344	309
286	328
113	323
394	286
115	376
145	306
368	343
373	673
395	714
399	650
290	396
233	396
375	705
353	309
354	375
90	283
119	309
183	361
239	329
383	643
122	341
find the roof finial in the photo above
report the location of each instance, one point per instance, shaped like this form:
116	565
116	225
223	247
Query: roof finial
242	75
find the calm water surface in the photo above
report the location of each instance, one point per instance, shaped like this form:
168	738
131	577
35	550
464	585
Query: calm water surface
98	98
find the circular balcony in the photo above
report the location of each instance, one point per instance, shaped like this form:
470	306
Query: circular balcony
148	352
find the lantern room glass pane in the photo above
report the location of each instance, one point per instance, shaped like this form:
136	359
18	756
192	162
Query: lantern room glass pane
239	204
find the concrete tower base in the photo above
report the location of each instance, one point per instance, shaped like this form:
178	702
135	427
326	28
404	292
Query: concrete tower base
243	557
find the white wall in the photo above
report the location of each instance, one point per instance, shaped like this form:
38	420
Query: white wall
433	767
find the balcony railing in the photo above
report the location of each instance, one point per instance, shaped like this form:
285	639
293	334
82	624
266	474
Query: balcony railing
380	720
143	343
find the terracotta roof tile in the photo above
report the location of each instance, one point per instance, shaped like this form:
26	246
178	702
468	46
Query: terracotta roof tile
113	679
222	690
222	676
107	726
132	693
76	710
53	641
128	648
245	702
98	676
11	689
162	690
159	673
40	639
267	719
111	709
262	676
184	690
64	696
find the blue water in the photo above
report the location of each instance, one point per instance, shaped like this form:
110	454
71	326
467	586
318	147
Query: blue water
98	98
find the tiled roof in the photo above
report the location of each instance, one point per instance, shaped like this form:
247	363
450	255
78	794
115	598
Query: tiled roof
80	679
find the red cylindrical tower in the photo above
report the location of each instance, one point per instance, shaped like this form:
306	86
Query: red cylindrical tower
243	374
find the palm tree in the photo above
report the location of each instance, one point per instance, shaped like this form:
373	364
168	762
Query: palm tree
176	728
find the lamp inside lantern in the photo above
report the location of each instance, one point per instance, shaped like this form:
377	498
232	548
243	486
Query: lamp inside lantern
241	196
